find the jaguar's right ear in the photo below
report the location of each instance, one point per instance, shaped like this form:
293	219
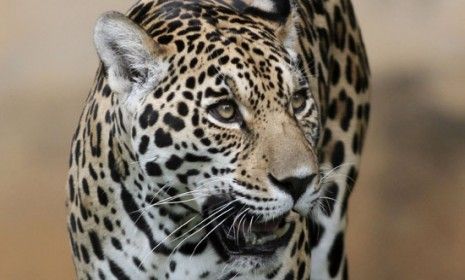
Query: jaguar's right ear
129	54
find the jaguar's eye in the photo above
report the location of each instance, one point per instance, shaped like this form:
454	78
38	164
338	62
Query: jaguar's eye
298	101
225	111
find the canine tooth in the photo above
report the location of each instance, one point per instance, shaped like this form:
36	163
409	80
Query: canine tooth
254	239
283	230
266	239
251	238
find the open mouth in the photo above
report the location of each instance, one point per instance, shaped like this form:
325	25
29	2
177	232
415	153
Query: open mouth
240	233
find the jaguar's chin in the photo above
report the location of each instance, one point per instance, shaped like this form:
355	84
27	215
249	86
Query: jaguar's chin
241	234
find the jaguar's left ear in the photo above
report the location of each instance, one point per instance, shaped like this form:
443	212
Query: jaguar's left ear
130	55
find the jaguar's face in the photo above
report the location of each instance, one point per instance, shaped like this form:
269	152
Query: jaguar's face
228	132
231	126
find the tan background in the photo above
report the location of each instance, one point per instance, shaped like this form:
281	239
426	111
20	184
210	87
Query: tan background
407	213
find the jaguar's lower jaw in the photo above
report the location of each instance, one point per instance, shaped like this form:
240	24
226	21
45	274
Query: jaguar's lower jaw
242	235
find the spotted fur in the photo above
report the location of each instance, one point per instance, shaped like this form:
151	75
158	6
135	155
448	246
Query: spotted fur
148	153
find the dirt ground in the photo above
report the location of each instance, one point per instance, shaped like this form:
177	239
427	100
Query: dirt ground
406	214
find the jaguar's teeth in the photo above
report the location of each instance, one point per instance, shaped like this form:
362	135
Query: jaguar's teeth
251	238
265	239
283	230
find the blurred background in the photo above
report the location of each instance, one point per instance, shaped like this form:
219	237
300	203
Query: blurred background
407	216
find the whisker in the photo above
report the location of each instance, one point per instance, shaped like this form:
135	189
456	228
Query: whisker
250	224
142	212
236	217
239	224
166	238
329	172
210	232
327	198
195	191
180	243
213	214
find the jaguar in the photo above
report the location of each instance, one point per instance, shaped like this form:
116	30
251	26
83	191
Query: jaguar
220	140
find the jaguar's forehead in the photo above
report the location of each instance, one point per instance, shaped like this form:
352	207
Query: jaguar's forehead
188	21
216	40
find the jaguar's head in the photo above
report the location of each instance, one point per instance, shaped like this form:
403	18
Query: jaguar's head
218	110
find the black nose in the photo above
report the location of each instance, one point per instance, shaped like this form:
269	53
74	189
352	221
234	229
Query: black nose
294	186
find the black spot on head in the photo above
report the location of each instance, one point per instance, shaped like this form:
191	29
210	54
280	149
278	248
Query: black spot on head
162	138
172	26
188	95
179	45
202	77
199	133
190	82
223	60
196	158
165	39
183	110
149	117
158	93
174	162
193	62
144	142
153	169
212	71
140	12
174	122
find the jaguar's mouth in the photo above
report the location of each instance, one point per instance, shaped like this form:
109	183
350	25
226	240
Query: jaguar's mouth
240	233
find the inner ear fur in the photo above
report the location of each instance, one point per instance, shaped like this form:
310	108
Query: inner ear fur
129	54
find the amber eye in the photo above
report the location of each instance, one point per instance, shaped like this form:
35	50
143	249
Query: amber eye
225	111
298	101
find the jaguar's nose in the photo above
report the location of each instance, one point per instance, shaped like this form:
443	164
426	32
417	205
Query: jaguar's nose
295	186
